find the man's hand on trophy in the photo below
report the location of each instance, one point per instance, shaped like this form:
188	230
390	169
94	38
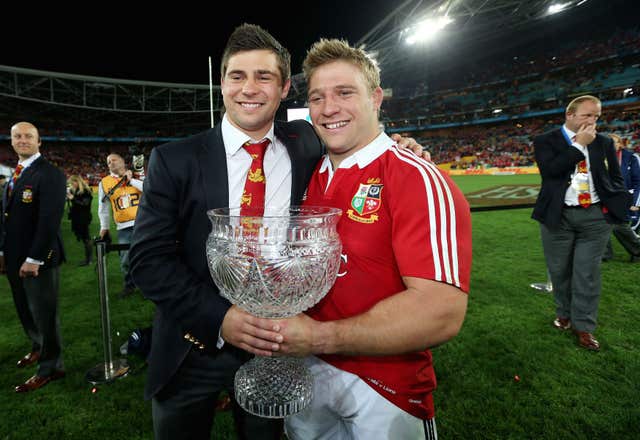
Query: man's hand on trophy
298	336
256	335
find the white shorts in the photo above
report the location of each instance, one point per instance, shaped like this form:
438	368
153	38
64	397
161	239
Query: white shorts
345	407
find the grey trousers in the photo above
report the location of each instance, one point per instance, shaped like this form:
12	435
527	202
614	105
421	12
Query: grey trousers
36	301
627	238
573	252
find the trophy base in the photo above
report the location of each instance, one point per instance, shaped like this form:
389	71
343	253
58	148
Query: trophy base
273	387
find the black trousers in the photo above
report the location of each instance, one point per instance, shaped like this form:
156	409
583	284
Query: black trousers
184	408
36	300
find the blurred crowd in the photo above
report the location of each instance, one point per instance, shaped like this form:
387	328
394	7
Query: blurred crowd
483	107
510	143
527	83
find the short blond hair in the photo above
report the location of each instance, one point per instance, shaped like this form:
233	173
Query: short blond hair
326	51
573	105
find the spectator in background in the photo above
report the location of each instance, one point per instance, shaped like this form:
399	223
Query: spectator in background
79	197
630	169
119	193
575	219
31	252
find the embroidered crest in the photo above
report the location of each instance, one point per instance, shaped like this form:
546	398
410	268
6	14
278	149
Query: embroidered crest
366	201
27	195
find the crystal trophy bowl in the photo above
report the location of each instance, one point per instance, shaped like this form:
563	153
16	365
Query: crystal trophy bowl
274	266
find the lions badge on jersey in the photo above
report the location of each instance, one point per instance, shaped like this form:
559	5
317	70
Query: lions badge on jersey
365	203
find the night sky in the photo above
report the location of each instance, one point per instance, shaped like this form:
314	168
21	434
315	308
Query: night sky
173	43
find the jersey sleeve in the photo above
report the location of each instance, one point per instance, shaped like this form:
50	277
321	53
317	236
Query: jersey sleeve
431	222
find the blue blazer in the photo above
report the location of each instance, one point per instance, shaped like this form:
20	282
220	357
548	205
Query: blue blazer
630	168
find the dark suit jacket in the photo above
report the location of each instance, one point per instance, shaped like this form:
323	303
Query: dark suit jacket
630	167
32	216
168	262
557	161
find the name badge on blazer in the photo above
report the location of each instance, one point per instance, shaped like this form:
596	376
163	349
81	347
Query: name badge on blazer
27	195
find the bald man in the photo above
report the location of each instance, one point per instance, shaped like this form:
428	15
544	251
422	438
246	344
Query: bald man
31	246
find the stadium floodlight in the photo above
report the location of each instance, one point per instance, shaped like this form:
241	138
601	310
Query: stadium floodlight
426	29
557	7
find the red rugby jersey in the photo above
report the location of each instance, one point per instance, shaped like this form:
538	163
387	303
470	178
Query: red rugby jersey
401	217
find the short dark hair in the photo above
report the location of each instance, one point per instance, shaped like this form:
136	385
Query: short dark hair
248	37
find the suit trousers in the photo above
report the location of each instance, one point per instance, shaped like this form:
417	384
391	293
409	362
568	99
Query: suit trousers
36	301
124	237
627	238
573	252
184	408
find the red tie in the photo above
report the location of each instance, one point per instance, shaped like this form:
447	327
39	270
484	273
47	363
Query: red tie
252	201
14	177
584	197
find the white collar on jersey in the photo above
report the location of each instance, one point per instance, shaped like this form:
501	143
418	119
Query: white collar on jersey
364	156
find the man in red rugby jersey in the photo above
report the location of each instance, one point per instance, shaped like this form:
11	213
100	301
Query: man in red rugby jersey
404	277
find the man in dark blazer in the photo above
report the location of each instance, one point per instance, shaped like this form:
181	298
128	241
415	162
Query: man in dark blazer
199	339
32	208
582	193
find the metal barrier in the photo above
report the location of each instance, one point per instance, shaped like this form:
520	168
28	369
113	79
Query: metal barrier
111	369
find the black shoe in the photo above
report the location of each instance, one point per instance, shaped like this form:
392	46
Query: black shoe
84	263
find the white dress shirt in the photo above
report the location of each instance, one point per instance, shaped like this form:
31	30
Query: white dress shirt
277	171
277	167
571	196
